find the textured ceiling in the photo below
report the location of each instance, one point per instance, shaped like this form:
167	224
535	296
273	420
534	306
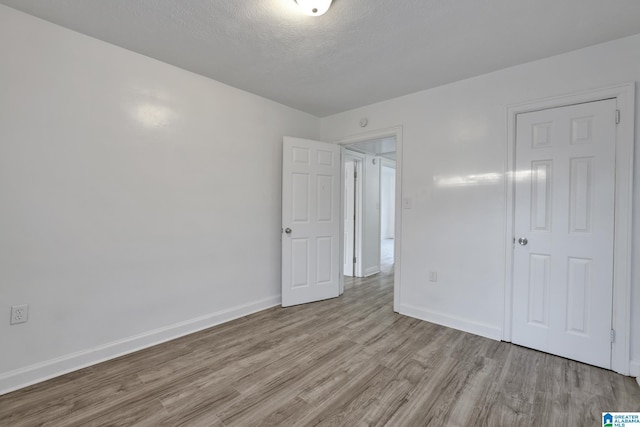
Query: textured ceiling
359	52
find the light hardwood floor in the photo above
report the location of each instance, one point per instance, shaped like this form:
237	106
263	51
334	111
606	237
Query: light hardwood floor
349	361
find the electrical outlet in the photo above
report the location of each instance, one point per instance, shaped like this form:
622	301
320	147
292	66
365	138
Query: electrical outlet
19	314
433	276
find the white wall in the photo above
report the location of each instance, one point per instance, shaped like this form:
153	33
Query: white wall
371	216
139	201
387	198
458	130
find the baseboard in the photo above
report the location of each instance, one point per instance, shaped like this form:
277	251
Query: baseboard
43	371
371	271
465	325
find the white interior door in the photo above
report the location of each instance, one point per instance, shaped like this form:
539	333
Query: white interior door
564	217
310	221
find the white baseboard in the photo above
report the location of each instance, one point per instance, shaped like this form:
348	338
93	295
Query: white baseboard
465	325
43	371
371	271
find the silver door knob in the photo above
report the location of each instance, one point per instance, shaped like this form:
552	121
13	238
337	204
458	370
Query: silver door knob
523	241
287	230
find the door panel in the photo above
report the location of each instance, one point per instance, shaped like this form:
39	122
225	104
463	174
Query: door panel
564	208
538	312
310	221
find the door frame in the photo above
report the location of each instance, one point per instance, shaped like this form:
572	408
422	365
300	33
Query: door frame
622	262
359	160
396	132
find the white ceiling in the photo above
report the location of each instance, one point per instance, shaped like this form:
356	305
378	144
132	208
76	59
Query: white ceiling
358	53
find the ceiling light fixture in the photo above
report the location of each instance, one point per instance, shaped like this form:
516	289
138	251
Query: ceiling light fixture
314	7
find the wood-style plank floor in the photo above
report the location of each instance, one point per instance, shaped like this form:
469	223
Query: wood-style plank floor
349	361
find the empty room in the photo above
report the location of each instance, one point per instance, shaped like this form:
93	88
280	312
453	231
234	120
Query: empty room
316	212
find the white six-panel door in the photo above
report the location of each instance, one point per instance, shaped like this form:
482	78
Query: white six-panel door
310	221
564	217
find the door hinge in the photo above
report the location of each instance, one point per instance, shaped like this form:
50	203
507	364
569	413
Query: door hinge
355	173
617	117
613	335
354	260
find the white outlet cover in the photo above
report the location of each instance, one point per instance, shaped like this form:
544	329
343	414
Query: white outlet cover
407	203
19	314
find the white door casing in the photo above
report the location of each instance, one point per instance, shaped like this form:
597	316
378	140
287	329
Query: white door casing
564	208
310	221
349	217
352	199
352	208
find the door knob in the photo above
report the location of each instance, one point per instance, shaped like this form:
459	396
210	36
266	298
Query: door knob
523	241
287	230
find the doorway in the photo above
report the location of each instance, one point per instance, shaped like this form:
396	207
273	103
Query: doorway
369	206
312	220
313	225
